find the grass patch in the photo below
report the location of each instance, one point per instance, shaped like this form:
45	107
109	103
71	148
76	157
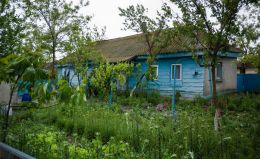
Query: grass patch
95	130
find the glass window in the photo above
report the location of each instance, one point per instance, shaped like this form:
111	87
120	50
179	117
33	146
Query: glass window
178	71
219	71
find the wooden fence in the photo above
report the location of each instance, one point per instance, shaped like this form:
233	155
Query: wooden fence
248	82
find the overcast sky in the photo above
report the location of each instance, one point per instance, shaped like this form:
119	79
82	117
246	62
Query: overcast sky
106	13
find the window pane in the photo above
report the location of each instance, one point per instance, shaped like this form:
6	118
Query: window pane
219	71
178	71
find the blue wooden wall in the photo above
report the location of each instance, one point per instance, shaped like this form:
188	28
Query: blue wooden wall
248	82
72	76
190	84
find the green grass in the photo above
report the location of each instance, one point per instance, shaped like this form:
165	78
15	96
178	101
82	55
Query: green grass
95	130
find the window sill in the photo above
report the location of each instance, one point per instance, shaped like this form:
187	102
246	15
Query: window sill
176	79
219	80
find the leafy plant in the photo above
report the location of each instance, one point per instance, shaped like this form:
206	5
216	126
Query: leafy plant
105	77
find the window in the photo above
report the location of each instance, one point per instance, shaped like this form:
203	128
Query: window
178	71
219	71
154	74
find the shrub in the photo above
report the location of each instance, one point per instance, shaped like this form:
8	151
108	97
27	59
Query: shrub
61	123
97	131
154	97
133	102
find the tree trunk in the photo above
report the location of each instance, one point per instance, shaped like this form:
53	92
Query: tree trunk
137	84
6	120
214	99
53	66
53	59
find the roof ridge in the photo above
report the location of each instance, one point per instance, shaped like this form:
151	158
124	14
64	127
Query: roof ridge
123	37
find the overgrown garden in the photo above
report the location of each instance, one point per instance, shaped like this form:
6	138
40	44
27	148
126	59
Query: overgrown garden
99	117
94	129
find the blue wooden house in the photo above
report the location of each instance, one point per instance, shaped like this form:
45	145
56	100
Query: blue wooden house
192	79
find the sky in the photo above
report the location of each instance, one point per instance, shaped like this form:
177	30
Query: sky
106	13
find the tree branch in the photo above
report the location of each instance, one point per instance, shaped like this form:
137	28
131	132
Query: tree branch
203	16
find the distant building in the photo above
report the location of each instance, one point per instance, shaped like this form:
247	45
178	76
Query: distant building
246	68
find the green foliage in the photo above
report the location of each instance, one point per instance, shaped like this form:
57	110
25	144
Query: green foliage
51	24
241	102
210	26
80	50
155	33
248	35
106	76
53	144
252	59
177	96
134	102
203	31
11	34
44	93
95	130
142	99
64	91
11	26
26	67
41	93
137	20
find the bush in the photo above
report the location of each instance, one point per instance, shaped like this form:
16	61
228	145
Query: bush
241	102
154	97
141	99
97	131
133	102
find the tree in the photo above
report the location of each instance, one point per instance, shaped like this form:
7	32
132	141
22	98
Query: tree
211	27
249	36
104	78
80	50
18	61
252	58
53	22
26	67
11	28
156	33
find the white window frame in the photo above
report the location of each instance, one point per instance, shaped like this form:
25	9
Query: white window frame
157	71
172	66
